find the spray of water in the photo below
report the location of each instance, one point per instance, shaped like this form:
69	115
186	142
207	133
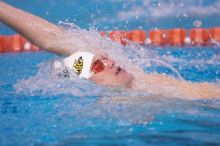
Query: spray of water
48	80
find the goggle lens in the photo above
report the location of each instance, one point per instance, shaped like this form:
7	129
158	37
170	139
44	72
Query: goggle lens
98	66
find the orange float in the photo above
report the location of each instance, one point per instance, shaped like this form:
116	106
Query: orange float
1	44
15	43
118	36
10	43
176	37
200	36
138	36
215	33
158	37
6	42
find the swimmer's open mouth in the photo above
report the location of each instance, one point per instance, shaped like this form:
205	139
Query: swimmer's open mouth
118	70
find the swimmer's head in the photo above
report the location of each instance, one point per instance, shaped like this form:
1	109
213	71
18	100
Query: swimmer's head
107	72
99	68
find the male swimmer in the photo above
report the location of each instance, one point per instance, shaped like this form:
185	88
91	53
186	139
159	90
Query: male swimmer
98	67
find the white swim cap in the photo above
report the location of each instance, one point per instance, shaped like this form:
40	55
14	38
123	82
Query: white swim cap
81	63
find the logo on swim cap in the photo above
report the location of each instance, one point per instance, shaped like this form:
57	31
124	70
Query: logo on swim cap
81	63
78	65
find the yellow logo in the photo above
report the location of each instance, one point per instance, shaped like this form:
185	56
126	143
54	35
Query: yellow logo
78	65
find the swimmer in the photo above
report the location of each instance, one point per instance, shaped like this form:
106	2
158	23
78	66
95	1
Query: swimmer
95	64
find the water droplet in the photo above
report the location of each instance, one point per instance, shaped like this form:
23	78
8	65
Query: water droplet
197	23
185	14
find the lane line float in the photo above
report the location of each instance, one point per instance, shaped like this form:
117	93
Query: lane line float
15	43
158	37
200	36
215	34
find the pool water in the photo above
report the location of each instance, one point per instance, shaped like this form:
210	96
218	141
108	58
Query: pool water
36	108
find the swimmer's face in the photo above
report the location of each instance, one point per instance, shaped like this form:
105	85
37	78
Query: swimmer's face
108	73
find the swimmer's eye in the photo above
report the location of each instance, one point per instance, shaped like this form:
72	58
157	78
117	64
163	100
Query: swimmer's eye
98	66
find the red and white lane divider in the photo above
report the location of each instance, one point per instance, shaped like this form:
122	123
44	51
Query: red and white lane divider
15	43
158	37
172	37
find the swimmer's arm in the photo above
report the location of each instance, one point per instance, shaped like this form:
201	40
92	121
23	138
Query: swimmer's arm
159	84
37	30
184	89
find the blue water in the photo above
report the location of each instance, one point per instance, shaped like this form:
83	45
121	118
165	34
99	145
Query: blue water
50	114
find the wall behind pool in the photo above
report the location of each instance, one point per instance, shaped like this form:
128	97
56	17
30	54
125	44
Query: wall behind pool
124	14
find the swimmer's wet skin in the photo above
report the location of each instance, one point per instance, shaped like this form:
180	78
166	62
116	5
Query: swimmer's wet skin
102	69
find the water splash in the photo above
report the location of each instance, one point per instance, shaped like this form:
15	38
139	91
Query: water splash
47	82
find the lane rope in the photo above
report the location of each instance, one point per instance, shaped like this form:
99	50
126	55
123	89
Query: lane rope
158	37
